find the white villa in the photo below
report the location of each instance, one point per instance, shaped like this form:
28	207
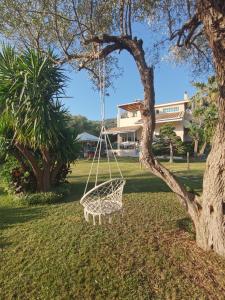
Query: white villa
129	123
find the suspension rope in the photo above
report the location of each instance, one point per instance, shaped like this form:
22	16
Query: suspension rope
118	167
92	164
102	104
101	75
108	145
103	89
107	153
99	157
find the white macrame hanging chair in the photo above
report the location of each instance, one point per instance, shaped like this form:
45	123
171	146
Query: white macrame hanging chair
104	199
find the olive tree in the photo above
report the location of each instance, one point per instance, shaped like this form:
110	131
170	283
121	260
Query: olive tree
84	32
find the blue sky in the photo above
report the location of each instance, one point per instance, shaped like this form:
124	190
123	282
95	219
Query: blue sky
170	84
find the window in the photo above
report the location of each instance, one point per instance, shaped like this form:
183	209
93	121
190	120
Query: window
171	109
124	115
134	113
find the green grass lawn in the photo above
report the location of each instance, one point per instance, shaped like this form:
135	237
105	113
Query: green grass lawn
50	252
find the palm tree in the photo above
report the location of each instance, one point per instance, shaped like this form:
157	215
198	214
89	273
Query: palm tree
205	115
196	133
30	85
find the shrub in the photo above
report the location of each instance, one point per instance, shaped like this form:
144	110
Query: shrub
42	198
15	179
52	197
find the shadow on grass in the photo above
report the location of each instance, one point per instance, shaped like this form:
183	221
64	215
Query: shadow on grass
77	190
186	224
143	185
16	215
133	185
136	184
3	244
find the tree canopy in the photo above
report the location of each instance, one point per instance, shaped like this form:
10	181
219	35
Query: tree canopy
68	26
82	124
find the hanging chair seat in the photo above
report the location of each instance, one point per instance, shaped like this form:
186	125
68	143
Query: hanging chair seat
103	199
107	207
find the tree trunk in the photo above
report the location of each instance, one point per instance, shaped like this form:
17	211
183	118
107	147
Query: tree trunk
39	178
46	178
42	175
55	171
202	150
171	153
122	17
195	148
210	225
33	163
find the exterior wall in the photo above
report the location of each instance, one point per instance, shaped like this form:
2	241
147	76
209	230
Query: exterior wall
129	120
125	152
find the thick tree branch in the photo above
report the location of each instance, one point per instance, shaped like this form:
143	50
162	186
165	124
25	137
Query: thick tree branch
122	17
134	47
30	158
190	26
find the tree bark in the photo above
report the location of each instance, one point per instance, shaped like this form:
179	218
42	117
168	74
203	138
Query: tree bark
211	222
171	153
210	225
55	171
195	148
202	150
122	17
46	178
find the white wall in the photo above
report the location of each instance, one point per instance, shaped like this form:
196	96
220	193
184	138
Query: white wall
125	152
180	106
130	120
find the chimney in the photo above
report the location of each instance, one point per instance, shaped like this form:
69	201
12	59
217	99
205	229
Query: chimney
186	96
